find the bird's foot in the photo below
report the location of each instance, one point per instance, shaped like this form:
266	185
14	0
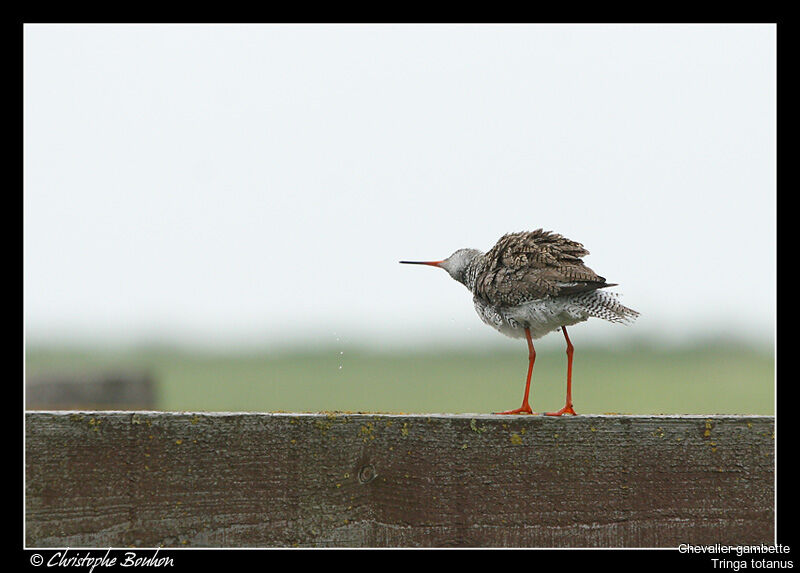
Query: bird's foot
524	409
565	410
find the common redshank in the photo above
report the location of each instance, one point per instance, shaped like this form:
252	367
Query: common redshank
532	283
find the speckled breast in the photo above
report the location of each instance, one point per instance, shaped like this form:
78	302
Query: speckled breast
540	316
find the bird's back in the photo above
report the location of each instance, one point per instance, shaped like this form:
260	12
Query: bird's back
534	265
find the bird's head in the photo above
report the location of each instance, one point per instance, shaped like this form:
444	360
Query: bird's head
456	264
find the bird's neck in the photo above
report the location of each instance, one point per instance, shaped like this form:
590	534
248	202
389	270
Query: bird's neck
469	274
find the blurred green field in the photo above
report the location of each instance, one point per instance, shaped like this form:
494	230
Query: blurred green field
709	379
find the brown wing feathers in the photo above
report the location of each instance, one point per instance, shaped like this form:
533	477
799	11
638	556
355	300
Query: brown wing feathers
530	265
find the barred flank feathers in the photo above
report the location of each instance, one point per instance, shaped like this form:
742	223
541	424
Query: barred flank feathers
605	305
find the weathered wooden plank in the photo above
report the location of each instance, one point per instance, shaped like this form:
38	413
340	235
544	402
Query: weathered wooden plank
147	479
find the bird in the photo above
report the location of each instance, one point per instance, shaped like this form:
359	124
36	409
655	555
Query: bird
529	284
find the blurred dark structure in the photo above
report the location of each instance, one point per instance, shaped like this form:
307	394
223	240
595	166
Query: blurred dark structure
90	391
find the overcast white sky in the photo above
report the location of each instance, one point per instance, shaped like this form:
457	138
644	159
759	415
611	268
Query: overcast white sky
247	184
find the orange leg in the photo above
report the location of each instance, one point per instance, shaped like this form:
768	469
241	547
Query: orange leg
526	408
567	409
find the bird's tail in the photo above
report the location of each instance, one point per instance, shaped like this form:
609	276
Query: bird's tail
606	305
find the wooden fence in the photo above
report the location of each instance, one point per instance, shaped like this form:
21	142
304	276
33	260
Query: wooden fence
153	479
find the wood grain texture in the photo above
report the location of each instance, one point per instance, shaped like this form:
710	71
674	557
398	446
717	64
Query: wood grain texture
150	479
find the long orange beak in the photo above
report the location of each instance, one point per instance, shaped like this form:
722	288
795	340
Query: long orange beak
431	263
